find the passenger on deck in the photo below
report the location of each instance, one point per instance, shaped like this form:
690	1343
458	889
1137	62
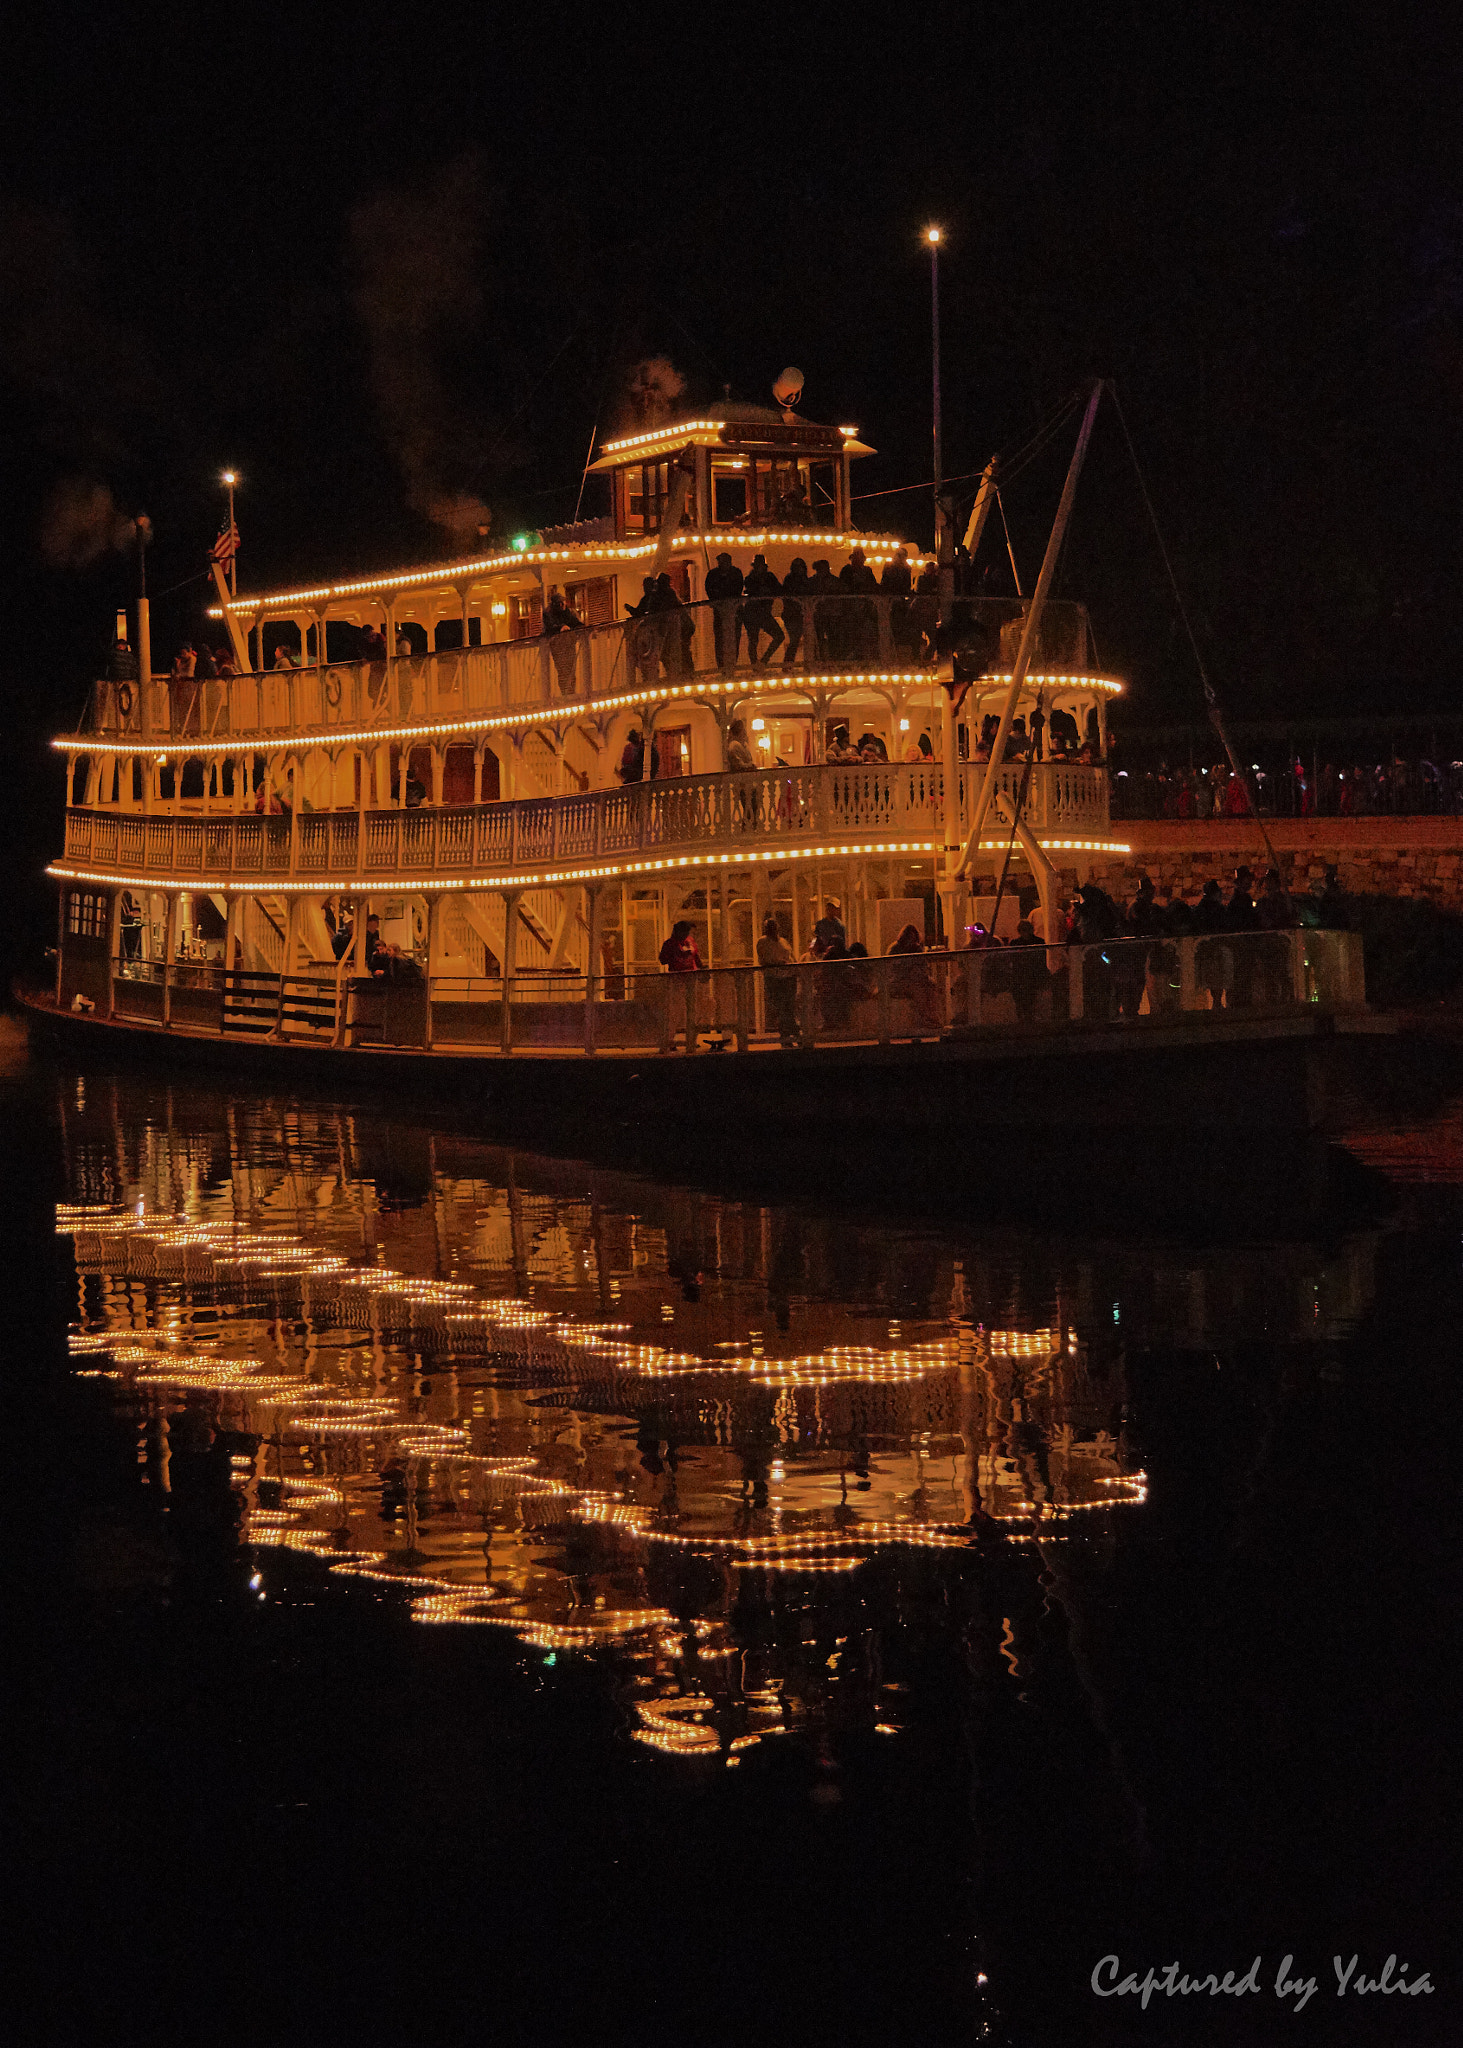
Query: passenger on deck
644	637
1144	918
760	588
779	980
373	653
898	578
797	589
920	750
841	751
924	613
632	759
1026	966
679	954
895	587
344	936
871	749
1332	912
375	951
675	628
915	985
724	585
830	940
1241	913
1038	729
740	759
826	594
122	664
1242	917
861	619
562	624
1275	910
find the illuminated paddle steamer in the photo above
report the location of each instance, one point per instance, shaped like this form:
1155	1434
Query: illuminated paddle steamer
417	819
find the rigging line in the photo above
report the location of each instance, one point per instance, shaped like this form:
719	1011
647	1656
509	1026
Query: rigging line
1009	465
199	578
1173	582
1216	715
604	385
517	414
1011	842
1009	549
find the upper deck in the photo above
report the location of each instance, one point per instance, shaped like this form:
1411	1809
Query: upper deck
509	684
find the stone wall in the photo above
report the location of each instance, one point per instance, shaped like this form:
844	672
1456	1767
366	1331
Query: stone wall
1417	857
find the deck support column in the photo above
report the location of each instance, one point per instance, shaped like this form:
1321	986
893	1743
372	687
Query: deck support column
434	947
594	919
114	948
170	953
510	963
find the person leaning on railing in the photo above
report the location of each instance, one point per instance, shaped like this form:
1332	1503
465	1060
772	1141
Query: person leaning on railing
797	589
724	586
561	624
779	980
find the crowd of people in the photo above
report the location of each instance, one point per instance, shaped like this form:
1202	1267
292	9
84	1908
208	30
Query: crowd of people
1116	977
1401	785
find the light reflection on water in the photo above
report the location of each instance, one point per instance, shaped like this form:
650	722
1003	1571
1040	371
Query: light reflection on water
724	1443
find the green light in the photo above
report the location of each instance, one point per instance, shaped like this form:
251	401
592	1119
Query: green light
520	542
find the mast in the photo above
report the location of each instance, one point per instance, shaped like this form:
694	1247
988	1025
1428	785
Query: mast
1031	628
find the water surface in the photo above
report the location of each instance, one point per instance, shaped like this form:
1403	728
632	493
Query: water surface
510	1590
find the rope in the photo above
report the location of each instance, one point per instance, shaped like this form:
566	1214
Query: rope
1216	715
1000	507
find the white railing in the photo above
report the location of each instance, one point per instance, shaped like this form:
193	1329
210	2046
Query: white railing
725	813
842	634
923	996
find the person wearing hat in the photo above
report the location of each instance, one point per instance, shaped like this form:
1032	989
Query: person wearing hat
724	588
1243	919
761	588
1242	914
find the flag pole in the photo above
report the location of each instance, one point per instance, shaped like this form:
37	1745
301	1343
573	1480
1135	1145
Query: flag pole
231	478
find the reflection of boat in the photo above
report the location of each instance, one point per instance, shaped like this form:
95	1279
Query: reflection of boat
470	781
501	1385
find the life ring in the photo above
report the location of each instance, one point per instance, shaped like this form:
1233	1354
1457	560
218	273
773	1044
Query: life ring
332	691
124	699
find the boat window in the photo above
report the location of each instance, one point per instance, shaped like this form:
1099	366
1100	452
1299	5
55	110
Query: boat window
525	616
640	496
87	916
594	601
729	493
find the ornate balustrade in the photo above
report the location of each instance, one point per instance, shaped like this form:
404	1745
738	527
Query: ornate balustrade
714	814
543	678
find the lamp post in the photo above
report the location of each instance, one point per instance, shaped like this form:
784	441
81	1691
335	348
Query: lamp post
951	895
230	479
932	238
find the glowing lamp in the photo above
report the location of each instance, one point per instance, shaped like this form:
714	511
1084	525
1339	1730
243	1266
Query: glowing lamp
932	236
520	543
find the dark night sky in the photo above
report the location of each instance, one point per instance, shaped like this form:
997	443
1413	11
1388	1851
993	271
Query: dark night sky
379	258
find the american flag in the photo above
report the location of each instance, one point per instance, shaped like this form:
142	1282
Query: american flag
226	546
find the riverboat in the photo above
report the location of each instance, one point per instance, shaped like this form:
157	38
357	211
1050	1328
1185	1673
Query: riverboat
451	814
